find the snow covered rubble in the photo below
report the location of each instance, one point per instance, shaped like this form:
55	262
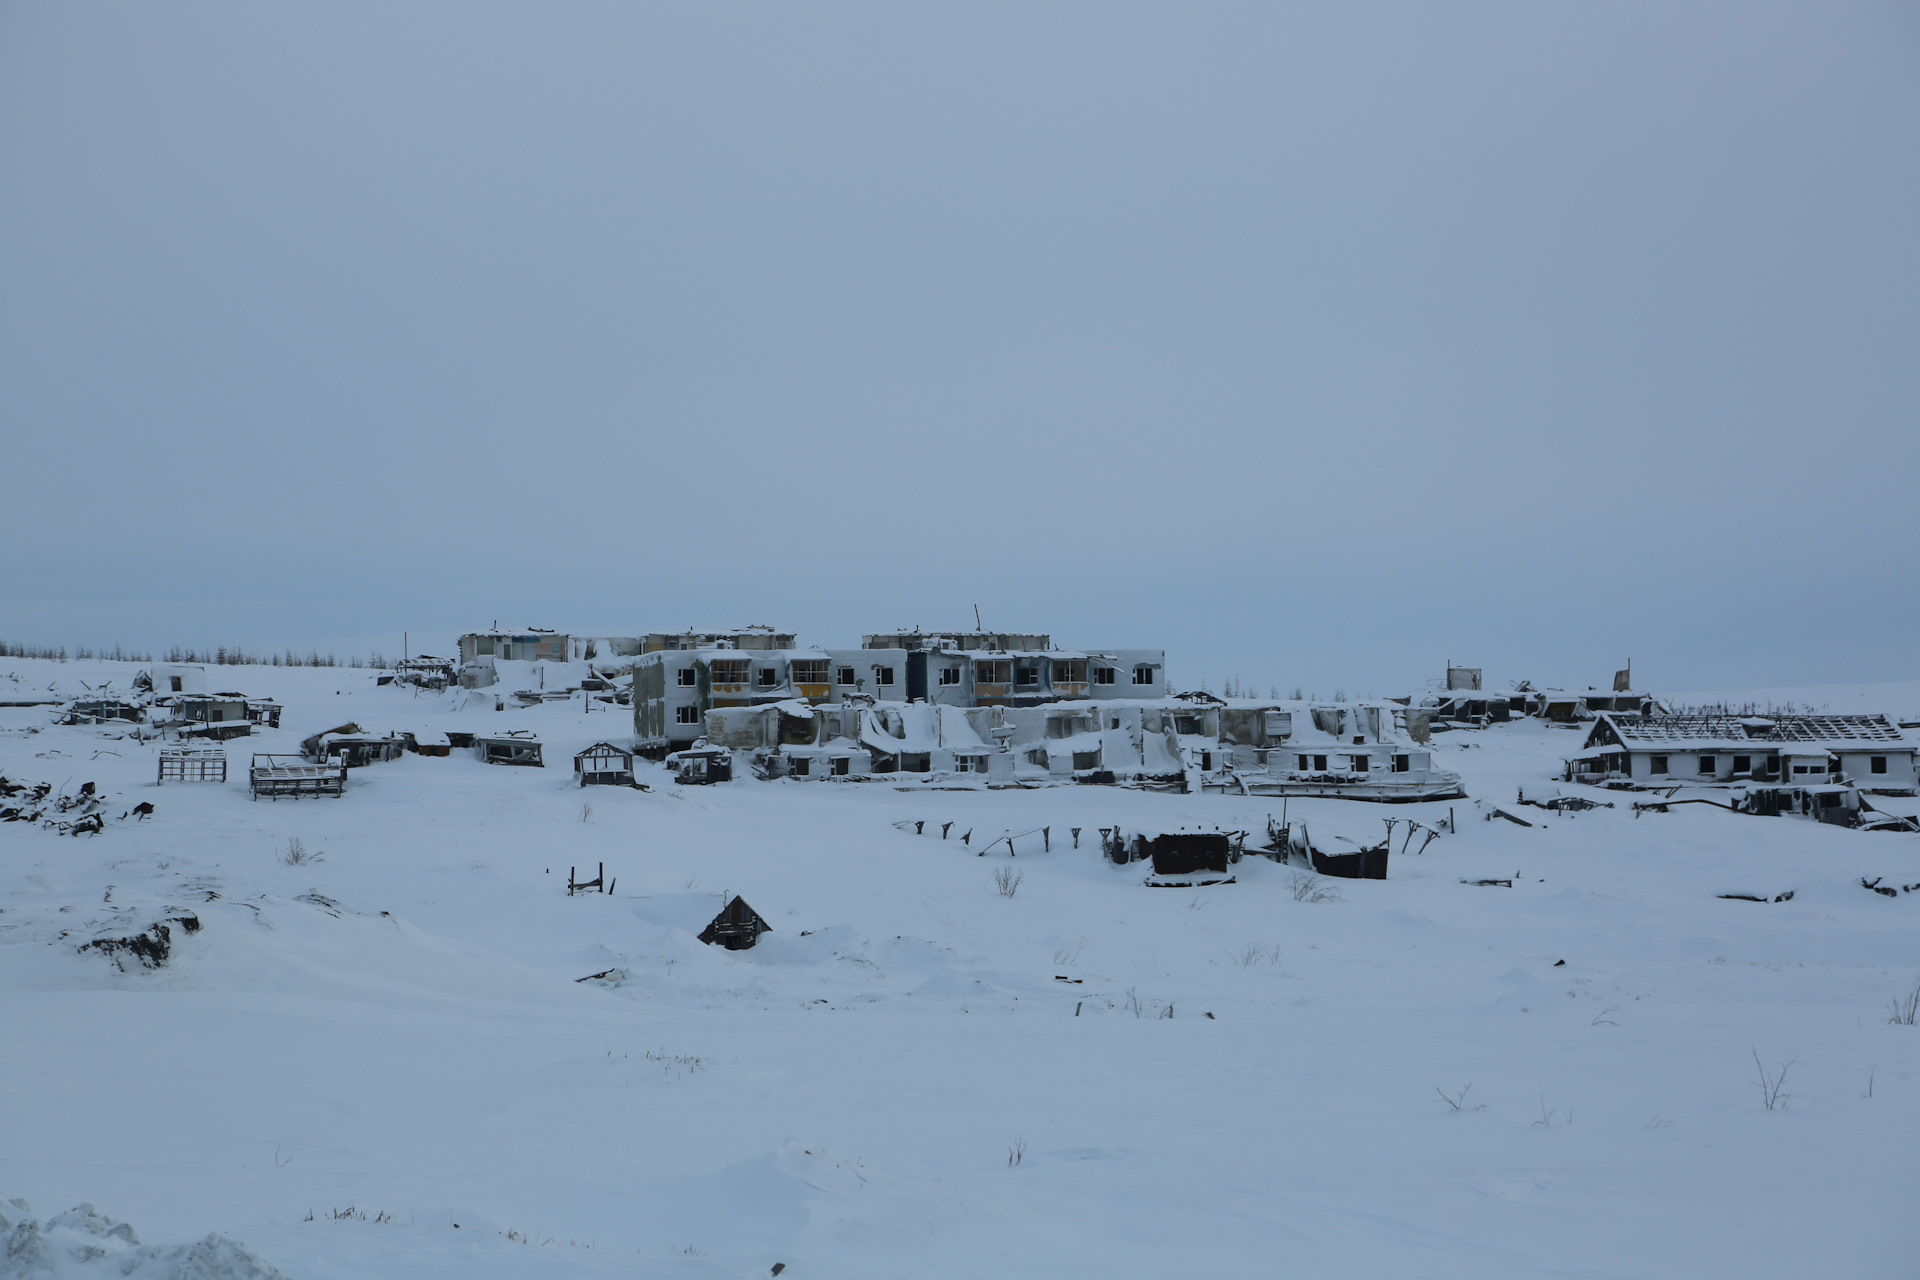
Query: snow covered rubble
915	1074
85	1244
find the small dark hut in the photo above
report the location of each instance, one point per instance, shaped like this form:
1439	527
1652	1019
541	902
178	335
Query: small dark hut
737	927
702	765
604	765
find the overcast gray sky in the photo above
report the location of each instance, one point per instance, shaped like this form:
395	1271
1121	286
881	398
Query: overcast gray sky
1314	344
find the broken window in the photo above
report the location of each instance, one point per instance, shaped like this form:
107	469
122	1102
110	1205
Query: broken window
994	673
686	715
1743	764
949	675
1186	724
766	677
730	670
1362	763
1657	765
1104	675
1401	764
802	766
842	765
176	684
1026	677
1302	765
883	675
1706	766
915	762
1206	761
1071	670
810	671
687	677
845	676
1143	674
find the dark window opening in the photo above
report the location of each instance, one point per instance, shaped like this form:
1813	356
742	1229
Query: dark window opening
846	675
766	677
1026	677
883	675
1104	675
1402	764
1656	764
842	765
1320	763
686	677
949	675
1876	764
1143	675
1362	764
1706	766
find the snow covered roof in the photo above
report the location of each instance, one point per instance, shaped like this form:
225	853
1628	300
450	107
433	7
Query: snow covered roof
1733	732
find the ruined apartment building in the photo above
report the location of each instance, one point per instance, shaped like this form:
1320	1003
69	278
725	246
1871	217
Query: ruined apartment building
673	690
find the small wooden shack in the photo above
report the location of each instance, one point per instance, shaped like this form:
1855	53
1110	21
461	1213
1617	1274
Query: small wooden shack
274	776
515	746
702	765
192	764
604	765
719	920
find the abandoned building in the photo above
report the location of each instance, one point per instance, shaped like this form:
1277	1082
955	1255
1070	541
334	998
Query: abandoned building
514	746
1358	750
104	710
275	776
717	919
604	765
1664	751
481	650
674	690
351	747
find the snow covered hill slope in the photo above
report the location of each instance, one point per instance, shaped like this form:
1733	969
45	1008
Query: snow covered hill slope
383	1062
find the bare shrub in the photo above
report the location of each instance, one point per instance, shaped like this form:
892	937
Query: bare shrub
586	810
1770	1086
1135	1005
296	854
1907	1007
1007	881
1070	953
1458	1101
1306	887
1249	954
1017	1153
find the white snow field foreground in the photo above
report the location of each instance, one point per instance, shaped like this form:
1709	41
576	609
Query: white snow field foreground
382	1063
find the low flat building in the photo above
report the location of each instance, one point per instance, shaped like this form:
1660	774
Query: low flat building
1672	750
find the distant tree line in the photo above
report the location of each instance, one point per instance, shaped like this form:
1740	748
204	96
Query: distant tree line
223	656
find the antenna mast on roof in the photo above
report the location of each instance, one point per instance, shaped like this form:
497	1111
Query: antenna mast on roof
976	619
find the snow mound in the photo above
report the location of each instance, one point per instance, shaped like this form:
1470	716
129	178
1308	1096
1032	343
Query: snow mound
85	1244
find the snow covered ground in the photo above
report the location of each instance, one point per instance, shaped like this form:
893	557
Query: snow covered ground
382	1063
